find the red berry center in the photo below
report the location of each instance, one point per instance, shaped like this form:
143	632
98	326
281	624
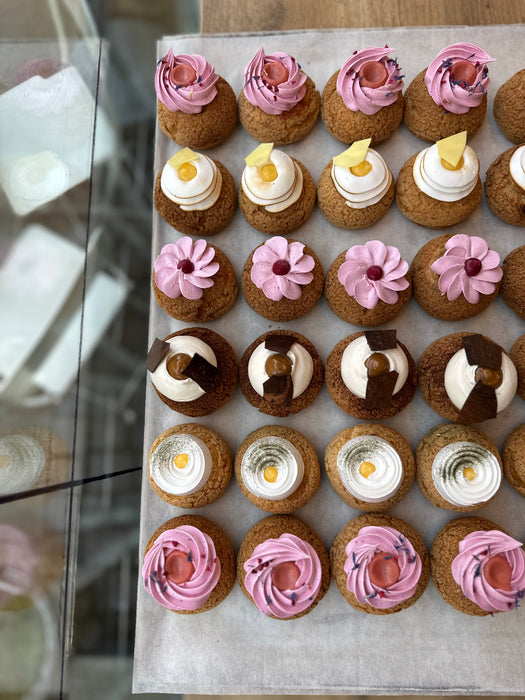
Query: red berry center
498	572
464	71
383	570
186	266
373	74
374	273
281	267
178	568
472	266
274	73
285	575
182	74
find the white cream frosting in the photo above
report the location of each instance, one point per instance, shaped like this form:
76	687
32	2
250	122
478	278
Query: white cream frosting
363	191
181	389
448	473
460	380
267	452
383	482
517	167
355	374
302	368
186	479
197	194
279	194
442	184
22	460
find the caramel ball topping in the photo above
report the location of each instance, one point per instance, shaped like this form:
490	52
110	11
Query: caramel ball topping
278	364
177	364
489	377
377	364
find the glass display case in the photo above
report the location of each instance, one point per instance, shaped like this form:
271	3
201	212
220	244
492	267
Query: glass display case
76	128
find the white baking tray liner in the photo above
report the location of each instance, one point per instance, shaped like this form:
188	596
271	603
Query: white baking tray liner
430	647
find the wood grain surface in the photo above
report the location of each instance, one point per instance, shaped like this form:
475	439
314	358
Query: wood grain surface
277	15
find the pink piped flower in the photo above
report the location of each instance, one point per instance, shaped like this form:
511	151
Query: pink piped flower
468	267
280	268
185	267
373	272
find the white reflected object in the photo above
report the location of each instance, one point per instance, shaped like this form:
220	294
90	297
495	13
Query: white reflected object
36	278
46	132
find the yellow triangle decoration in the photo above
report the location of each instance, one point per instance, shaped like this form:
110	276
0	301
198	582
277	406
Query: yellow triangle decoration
183	156
260	156
451	149
354	155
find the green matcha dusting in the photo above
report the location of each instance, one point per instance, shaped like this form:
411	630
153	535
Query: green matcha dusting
169	448
266	454
457	457
351	457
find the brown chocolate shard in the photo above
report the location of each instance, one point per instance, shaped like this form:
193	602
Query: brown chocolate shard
380	389
156	354
278	390
202	372
481	404
381	340
279	343
482	351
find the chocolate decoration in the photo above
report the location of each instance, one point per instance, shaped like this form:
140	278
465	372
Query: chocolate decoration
380	389
381	340
156	354
202	372
278	390
481	404
482	351
279	343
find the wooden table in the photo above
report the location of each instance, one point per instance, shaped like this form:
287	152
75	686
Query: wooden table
277	15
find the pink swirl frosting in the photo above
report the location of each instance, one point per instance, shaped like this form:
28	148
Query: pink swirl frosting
271	98
468	267
262	576
18	562
373	272
280	268
369	100
458	78
471	569
185	97
199	551
184	268
360	551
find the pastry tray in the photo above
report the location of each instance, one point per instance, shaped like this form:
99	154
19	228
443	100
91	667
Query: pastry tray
430	647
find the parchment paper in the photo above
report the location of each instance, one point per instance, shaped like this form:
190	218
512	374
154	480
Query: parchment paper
429	647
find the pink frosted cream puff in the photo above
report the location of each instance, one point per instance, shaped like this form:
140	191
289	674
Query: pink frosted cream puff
456	277
451	95
278	102
368	284
283	567
282	279
196	107
193	281
356	188
477	567
189	565
380	564
365	97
